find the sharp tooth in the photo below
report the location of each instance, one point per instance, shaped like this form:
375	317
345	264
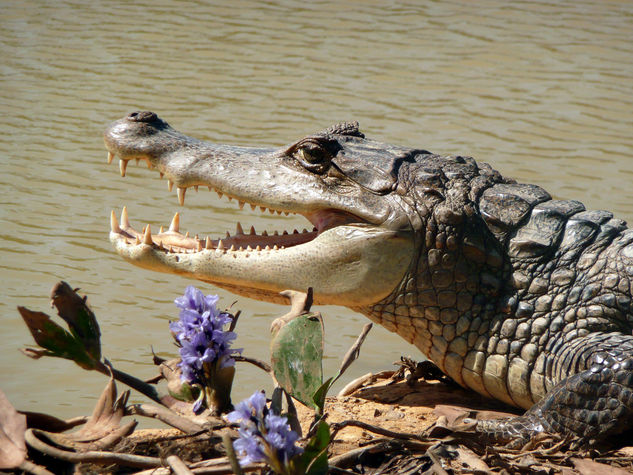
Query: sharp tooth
162	174
187	234
295	231
147	237
271	211
278	212
229	197
220	195
149	165
207	243
199	246
210	189
264	233
195	187
181	195
258	248
286	213
137	160
304	230
114	224
170	185
314	229
160	245
253	233
267	248
285	233
220	245
262	209
275	247
125	222
138	241
275	233
240	248
238	229
253	207
175	223
249	248
228	235
171	249
241	204
161	230
196	237
110	157
122	167
232	248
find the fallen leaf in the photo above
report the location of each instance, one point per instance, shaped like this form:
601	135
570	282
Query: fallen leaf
589	467
12	428
453	414
103	428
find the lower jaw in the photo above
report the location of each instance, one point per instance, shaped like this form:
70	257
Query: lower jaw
340	264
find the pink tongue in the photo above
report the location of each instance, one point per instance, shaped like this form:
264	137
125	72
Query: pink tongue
327	219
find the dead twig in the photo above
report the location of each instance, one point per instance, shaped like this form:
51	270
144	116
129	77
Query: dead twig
167	416
30	467
337	426
96	457
217	466
259	363
178	466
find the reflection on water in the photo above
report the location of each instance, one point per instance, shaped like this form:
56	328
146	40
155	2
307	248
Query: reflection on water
542	90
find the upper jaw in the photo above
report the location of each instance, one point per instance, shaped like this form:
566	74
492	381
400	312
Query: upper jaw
263	178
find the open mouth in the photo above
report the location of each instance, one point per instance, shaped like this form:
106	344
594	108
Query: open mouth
172	240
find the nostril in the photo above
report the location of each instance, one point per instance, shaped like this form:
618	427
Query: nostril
142	116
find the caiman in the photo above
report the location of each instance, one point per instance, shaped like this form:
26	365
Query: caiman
513	294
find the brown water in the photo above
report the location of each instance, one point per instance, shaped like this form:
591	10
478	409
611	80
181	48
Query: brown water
542	90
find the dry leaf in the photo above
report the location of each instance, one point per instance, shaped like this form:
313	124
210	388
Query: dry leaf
103	429
589	467
12	428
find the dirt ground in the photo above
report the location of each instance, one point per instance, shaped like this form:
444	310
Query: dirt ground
394	427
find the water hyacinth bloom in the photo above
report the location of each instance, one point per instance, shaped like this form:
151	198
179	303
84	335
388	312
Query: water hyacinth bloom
205	347
264	436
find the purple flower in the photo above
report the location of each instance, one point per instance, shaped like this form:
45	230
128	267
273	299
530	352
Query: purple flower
250	447
264	436
201	335
195	300
280	437
249	410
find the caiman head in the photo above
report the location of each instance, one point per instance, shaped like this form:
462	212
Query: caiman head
348	187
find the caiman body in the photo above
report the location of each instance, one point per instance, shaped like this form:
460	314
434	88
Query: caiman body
513	294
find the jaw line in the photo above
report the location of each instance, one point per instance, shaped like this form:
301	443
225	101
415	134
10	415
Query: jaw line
339	263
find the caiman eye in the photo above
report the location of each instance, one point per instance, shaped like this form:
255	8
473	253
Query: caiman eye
313	157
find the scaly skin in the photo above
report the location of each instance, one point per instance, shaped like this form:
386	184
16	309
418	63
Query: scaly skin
515	295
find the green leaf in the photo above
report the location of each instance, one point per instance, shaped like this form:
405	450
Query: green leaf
55	339
296	357
320	395
314	457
